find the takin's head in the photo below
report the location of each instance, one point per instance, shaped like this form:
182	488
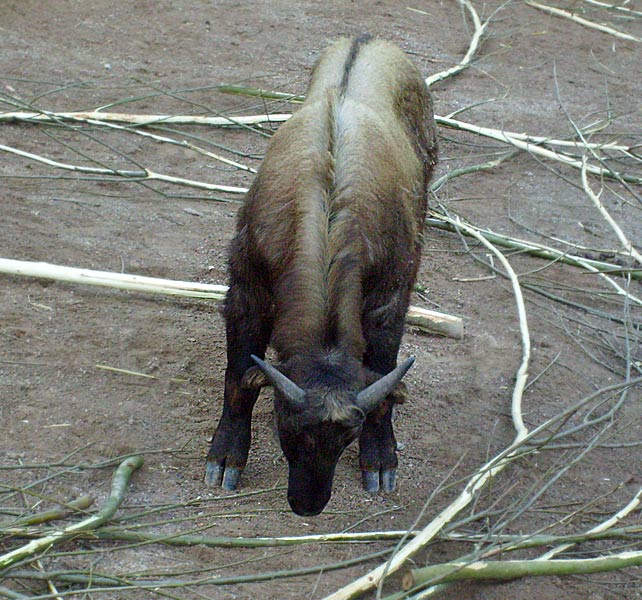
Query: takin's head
318	417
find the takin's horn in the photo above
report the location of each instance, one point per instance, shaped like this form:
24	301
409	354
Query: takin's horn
292	392
369	398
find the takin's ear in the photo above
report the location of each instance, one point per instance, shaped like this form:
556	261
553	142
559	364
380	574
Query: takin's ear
254	379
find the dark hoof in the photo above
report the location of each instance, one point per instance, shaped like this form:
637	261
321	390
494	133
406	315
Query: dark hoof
370	481
389	480
213	474
216	475
373	481
231	478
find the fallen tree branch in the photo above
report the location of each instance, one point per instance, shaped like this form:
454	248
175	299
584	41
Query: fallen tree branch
146	120
187	539
591	24
465	62
118	487
533	145
483	475
123	281
135	175
608	218
427	320
632	505
616	7
540	250
80	504
513	569
96	582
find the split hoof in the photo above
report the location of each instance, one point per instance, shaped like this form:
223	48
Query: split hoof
389	480
231	478
373	481
370	481
214	474
218	475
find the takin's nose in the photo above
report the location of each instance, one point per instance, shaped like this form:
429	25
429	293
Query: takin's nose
307	507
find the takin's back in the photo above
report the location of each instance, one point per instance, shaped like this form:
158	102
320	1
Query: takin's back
339	202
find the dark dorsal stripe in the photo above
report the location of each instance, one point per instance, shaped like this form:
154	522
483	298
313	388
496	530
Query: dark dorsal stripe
359	41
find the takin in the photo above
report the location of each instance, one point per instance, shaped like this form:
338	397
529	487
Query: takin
325	256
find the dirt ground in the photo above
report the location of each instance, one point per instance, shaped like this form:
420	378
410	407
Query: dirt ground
534	73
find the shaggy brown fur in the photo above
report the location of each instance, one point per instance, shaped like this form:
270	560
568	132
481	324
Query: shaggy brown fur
327	249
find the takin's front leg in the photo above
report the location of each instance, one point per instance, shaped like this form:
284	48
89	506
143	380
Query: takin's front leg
248	332
383	329
378	450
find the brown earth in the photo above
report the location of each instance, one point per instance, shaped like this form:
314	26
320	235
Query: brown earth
534	73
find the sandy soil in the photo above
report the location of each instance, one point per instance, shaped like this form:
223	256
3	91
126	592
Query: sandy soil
534	72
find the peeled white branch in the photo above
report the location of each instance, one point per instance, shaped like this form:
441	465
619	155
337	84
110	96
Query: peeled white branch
567	15
539	250
104	118
609	219
480	478
145	174
472	48
428	320
604	526
528	143
532	145
168	140
615	7
522	372
46	116
123	281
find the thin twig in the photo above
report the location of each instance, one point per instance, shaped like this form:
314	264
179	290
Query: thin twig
127	174
118	487
146	120
465	62
567	15
609	219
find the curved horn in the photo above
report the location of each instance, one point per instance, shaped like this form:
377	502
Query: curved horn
374	394
292	392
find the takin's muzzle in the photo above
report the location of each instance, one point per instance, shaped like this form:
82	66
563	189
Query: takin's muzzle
309	488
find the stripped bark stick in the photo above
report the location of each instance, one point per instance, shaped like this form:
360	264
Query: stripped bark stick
578	261
46	116
604	526
609	219
465	62
481	477
522	372
187	539
145	174
102	118
118	487
591	24
529	144
512	569
428	320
